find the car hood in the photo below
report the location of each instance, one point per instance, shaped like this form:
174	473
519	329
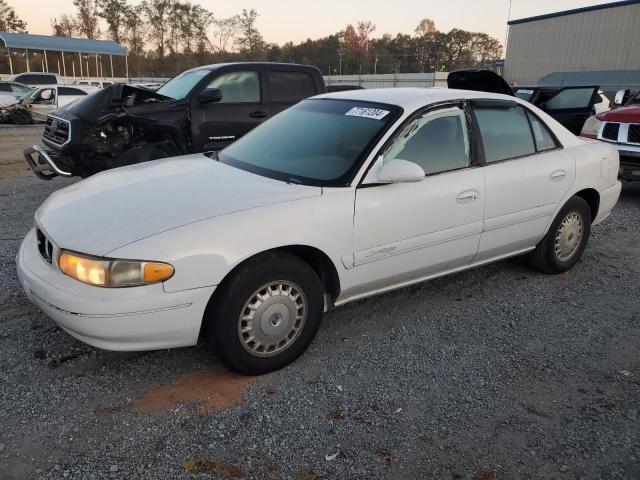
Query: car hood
120	206
7	101
630	114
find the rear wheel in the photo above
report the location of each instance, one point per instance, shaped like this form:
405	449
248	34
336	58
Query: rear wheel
265	314
564	243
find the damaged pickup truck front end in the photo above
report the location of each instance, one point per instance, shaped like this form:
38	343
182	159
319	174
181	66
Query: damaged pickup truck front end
116	126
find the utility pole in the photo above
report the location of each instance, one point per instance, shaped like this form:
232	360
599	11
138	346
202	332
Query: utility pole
340	67
375	65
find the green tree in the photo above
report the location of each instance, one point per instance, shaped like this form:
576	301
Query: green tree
9	21
113	12
87	21
250	40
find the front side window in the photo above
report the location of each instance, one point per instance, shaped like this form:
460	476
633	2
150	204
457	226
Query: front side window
316	142
238	87
505	132
438	141
291	86
46	97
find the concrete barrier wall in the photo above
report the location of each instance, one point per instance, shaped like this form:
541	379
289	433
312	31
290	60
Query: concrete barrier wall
391	80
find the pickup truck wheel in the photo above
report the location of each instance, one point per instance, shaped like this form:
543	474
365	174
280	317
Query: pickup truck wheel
564	243
266	314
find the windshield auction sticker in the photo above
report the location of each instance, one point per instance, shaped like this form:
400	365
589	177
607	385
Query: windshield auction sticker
373	113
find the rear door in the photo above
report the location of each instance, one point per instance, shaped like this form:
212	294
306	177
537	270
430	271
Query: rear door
242	108
527	174
571	106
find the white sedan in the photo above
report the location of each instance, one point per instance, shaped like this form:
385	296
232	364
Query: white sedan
343	196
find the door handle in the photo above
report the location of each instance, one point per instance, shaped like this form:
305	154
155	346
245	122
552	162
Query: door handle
557	175
258	114
467	196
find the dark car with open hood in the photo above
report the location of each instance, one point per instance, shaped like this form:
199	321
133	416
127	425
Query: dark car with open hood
570	106
200	110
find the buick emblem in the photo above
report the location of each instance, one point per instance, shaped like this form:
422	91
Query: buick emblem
54	126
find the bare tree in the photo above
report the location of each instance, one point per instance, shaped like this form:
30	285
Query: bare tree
9	21
66	27
226	31
250	40
157	13
134	29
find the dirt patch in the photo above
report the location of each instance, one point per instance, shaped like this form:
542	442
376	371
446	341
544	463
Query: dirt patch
214	391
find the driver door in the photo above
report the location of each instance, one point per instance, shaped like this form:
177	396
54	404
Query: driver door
45	102
242	108
571	106
407	231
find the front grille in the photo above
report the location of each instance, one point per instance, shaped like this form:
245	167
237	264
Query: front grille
56	131
610	131
45	247
634	133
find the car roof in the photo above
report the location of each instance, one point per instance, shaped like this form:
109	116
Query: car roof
412	98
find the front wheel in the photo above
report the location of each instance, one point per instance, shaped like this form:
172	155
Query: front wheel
564	243
265	314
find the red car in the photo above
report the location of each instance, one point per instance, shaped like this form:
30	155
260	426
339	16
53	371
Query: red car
621	128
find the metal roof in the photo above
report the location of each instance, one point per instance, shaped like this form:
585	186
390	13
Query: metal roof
60	44
592	8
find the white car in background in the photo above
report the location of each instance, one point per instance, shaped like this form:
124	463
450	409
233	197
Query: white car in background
340	197
35	106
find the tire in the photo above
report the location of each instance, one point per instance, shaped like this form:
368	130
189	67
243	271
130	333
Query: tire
291	295
564	243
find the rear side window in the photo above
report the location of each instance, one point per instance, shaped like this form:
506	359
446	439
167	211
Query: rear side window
505	133
541	134
70	91
238	87
30	79
5	87
291	86
570	98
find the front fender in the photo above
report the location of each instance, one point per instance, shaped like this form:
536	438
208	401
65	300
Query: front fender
204	253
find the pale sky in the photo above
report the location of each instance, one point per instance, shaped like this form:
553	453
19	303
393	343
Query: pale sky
297	20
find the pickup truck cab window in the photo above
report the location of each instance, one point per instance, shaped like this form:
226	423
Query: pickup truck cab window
505	132
438	141
238	87
291	86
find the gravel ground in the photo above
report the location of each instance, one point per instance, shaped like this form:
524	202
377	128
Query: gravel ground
496	373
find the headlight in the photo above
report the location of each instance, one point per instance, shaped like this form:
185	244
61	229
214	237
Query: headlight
107	272
591	127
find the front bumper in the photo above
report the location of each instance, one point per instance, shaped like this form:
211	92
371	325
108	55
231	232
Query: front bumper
44	163
136	318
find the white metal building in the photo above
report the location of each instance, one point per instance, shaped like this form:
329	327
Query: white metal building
600	37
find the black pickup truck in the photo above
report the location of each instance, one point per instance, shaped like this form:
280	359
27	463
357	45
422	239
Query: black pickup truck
203	109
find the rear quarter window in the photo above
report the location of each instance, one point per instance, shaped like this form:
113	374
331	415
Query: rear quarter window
291	86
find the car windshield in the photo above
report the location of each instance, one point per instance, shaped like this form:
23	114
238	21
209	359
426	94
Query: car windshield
318	142
180	86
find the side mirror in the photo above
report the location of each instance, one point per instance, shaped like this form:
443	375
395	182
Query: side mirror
46	95
395	171
210	95
620	96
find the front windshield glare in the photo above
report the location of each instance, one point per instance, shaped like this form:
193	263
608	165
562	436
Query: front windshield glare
316	142
178	87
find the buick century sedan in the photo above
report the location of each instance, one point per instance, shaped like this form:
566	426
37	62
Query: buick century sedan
340	197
